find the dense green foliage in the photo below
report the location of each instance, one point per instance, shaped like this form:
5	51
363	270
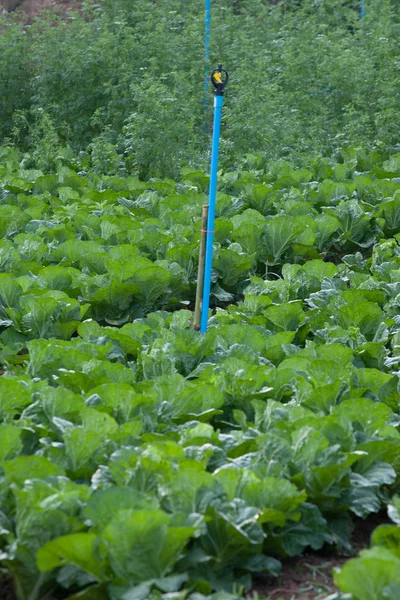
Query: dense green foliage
123	81
138	457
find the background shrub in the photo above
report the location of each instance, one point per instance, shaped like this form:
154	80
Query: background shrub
124	80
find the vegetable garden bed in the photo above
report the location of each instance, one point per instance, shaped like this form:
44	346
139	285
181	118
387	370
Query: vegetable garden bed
139	458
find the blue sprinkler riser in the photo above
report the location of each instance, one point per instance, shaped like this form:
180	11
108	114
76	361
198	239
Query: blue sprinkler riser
363	9
218	102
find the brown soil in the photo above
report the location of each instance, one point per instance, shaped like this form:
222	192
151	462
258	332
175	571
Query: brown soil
6	592
33	8
309	577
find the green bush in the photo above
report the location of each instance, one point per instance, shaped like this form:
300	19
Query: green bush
306	77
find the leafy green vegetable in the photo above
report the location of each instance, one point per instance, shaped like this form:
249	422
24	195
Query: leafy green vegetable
138	456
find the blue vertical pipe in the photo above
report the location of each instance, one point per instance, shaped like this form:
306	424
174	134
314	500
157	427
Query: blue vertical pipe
207	61
218	102
363	9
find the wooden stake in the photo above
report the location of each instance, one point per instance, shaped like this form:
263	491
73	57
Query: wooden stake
200	273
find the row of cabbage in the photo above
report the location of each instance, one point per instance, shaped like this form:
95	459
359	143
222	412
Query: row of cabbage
138	458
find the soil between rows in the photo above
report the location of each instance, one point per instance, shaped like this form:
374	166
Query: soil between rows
6	591
309	576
